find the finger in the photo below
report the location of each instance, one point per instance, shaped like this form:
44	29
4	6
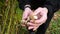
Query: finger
30	24
35	28
31	12
37	11
30	27
42	19
31	21
25	15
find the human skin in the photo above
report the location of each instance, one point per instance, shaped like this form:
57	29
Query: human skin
40	11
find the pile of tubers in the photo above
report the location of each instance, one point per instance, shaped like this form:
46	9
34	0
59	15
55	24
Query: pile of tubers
31	17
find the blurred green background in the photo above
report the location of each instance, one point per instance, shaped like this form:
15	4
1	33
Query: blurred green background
10	19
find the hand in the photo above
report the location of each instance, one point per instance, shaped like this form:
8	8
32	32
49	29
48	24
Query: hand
42	12
26	13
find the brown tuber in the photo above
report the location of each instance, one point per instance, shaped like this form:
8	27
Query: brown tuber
31	17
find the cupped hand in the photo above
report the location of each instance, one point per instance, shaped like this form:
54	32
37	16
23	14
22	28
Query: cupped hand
26	13
42	12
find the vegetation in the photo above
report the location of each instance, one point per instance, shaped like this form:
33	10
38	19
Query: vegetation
10	17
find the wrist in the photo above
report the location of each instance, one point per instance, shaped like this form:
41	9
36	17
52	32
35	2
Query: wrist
27	6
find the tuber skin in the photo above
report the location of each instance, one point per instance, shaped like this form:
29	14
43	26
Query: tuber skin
31	17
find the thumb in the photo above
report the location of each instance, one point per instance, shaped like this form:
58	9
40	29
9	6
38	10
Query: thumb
37	11
25	15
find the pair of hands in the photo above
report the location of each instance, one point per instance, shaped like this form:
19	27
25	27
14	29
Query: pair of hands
40	12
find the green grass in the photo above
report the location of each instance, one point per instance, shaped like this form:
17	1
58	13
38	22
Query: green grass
54	27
